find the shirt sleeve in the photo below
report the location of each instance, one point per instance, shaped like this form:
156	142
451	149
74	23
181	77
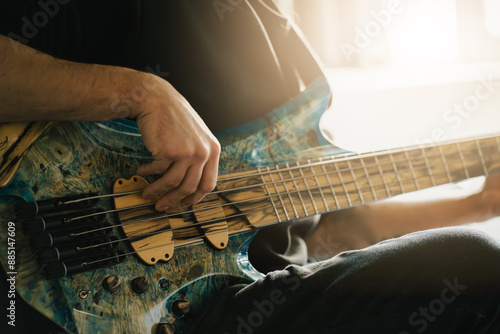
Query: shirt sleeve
277	246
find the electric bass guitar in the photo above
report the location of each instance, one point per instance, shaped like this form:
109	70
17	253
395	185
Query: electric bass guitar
80	244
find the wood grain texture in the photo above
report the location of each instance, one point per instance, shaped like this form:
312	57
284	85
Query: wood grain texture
210	217
151	238
15	140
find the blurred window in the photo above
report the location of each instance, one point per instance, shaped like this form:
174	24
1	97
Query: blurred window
374	33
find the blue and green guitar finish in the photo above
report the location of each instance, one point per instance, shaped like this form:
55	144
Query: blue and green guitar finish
76	158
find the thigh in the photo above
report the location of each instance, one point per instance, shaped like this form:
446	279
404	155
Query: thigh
440	281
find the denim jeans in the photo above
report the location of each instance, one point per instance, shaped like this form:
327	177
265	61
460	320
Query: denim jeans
438	281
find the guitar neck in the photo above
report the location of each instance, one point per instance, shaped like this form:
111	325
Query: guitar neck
292	191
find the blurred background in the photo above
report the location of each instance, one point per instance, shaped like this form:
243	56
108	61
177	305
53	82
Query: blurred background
405	72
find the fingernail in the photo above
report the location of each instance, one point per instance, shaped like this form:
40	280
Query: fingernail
163	208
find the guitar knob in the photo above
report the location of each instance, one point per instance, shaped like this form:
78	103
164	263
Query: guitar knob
111	283
181	307
165	328
140	284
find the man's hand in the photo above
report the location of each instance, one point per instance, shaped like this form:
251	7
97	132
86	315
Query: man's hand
185	152
37	87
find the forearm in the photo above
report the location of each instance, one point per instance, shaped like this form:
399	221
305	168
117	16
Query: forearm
392	218
362	226
35	86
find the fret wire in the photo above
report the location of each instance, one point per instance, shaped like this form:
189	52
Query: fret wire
354	156
298	190
322	164
172	229
429	169
343	184
317	183
279	194
477	143
314	188
445	163
368	178
462	159
289	169
338	205
308	190
355	182
393	183
288	192
383	177
380	187
398	177
412	170
192	211
481	156
272	200
231	216
331	186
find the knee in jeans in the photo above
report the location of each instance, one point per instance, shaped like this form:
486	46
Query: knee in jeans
466	240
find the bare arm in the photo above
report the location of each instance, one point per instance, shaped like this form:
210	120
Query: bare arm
35	86
363	226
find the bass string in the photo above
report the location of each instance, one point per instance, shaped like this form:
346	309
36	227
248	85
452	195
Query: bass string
199	237
156	215
100	213
274	182
354	156
233	216
327	161
142	250
173	229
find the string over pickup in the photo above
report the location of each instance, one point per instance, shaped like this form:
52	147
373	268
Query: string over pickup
149	232
211	220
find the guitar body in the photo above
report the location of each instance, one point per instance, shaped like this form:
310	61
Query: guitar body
79	158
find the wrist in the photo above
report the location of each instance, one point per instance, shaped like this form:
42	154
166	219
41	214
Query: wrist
111	93
485	205
145	95
474	208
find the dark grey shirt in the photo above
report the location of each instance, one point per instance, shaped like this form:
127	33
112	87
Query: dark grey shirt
232	63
